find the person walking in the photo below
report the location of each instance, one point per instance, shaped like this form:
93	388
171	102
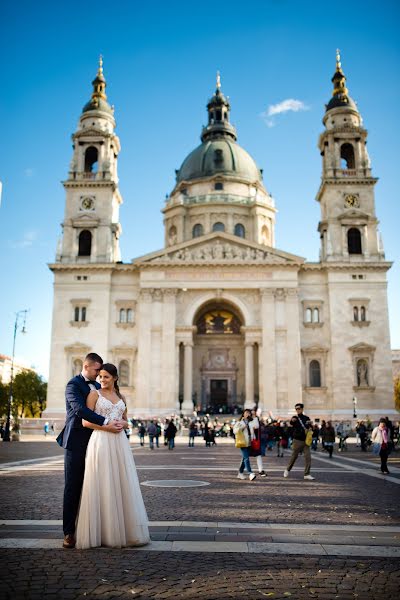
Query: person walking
255	442
381	443
192	433
362	432
315	437
328	437
142	433
301	424
241	430
152	432
170	434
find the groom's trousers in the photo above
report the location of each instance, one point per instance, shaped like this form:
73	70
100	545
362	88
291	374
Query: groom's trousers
74	470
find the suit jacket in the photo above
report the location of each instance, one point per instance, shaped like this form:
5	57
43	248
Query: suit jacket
75	436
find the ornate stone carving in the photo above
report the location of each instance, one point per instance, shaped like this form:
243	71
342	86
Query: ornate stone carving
220	252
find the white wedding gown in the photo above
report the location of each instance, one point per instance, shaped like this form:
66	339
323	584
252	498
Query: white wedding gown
111	511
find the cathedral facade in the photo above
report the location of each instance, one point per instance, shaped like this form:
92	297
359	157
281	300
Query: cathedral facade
220	318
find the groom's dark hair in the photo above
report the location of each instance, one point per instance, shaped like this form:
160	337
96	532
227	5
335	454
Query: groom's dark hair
93	358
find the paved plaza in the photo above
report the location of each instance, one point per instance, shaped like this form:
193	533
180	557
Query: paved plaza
335	537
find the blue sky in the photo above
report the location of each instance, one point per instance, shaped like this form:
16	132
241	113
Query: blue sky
160	61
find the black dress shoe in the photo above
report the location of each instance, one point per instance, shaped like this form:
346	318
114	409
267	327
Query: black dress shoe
69	541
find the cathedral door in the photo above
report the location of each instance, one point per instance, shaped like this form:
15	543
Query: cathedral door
218	394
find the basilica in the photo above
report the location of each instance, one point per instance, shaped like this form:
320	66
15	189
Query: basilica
219	318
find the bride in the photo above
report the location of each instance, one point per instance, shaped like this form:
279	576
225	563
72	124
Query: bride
111	511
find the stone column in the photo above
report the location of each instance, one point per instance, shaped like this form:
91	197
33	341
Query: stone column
294	386
143	373
268	375
249	374
168	354
187	406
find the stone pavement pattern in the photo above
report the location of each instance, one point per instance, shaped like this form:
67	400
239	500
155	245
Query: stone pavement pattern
125	574
346	493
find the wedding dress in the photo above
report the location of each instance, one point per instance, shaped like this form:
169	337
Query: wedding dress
111	511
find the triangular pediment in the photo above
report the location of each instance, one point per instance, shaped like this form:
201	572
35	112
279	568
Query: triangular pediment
218	248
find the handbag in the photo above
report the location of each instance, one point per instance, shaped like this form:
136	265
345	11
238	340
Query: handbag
376	448
308	433
255	444
240	439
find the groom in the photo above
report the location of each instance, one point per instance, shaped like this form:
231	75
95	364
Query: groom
74	439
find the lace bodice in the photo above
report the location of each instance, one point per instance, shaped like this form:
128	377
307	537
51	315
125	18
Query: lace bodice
106	408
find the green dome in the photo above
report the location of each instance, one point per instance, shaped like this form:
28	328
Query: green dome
219	156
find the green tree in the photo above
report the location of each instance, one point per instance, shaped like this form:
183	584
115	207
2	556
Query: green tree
29	394
3	399
397	393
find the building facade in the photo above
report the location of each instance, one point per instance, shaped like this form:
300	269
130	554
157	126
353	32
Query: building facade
220	317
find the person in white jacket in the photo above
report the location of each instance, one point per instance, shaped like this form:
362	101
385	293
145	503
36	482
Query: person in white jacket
243	426
381	439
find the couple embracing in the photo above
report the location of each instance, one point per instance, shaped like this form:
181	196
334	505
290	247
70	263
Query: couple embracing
103	504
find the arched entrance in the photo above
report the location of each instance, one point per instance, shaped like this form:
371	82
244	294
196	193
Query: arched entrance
218	358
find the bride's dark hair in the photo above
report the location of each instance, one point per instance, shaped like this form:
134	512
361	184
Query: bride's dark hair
113	371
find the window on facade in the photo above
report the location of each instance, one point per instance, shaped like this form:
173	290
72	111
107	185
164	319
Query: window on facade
312	315
218	185
347	157
79	314
129	315
354	241
197	230
363	313
218	226
315	374
239	230
122	315
91	158
355	313
85	243
124	373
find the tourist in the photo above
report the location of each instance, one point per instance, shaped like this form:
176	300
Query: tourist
152	432
315	437
192	433
241	430
281	439
255	451
361	429
141	433
328	437
301	424
170	433
381	443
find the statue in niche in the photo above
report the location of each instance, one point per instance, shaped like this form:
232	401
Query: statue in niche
362	373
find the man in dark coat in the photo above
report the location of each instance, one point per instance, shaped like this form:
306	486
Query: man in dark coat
74	438
300	425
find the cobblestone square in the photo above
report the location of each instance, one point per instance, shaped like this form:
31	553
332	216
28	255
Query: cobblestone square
335	537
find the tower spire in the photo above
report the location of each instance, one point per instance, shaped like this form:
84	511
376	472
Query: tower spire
98	100
218	80
340	94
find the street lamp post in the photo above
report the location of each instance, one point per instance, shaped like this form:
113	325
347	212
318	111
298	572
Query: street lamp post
354	407
20	314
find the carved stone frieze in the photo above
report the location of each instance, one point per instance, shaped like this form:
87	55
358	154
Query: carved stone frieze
220	252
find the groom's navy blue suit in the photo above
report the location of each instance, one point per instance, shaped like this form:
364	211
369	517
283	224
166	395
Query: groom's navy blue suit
74	438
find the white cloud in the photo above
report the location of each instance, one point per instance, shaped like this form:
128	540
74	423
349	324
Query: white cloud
27	240
290	104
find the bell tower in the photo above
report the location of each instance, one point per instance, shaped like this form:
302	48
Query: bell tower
348	227
91	227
